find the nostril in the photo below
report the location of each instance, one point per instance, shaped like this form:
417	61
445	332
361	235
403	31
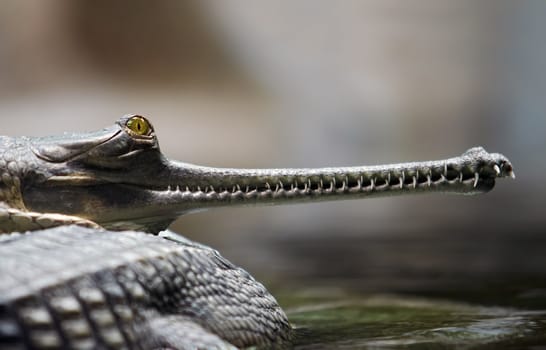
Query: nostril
509	170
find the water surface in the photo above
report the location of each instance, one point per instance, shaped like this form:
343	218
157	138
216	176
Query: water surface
333	319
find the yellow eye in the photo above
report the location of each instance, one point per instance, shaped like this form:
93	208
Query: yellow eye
139	125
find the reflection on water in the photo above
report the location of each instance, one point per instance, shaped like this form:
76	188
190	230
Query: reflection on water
401	322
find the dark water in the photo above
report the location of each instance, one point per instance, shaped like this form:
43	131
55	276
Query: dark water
468	290
326	319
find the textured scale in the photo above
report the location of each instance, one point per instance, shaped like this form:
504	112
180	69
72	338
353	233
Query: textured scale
84	288
12	168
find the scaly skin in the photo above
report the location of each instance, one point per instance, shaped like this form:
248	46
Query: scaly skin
75	287
119	179
72	286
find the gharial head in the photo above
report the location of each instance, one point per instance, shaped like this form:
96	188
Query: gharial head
118	178
114	176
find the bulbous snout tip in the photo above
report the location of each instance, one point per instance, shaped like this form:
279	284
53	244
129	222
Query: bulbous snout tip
497	163
502	166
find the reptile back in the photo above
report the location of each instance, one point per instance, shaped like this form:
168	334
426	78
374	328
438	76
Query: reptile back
75	287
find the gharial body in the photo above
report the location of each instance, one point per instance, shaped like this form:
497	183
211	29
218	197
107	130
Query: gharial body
72	282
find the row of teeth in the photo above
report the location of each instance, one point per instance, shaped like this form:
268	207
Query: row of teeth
331	186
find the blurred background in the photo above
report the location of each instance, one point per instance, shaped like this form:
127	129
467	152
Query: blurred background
308	84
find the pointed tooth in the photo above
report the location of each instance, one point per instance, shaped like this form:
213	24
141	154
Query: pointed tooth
401	182
476	178
414	181
497	169
512	174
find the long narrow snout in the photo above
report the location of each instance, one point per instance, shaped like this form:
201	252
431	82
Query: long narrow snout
473	172
182	188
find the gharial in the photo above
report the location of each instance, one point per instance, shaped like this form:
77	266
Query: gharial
72	282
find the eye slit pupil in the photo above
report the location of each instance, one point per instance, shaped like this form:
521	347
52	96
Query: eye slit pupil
138	125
